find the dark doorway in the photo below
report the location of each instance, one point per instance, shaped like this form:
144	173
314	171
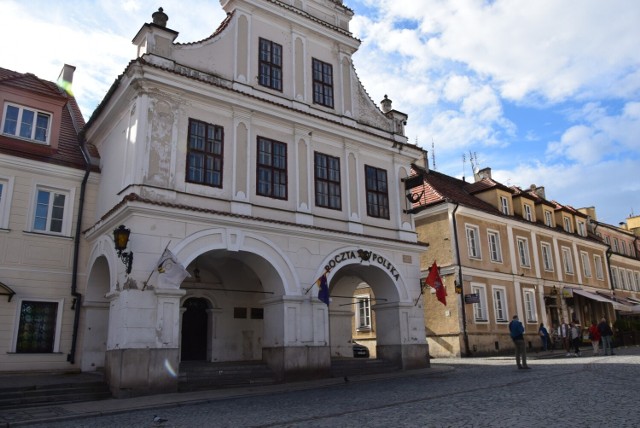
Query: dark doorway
194	330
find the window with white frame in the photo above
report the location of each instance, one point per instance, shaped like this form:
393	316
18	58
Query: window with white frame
582	230
530	306
637	276
548	218
614	277
504	205
500	304
38	326
51	211
363	314
567	260
614	245
547	259
480	308
473	241
606	240
623	280
495	250
586	266
632	281
597	262
567	224
523	252
622	247
5	194
528	214
27	123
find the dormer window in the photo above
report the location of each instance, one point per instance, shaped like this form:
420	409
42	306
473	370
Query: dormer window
504	205
527	213
26	123
548	219
582	231
567	224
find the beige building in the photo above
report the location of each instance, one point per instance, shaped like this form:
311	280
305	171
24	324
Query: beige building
504	251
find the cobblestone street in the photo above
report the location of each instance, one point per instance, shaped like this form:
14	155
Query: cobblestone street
477	392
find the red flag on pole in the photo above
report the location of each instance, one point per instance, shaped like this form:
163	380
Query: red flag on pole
434	281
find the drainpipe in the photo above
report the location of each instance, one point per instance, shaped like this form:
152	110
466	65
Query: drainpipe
465	337
71	356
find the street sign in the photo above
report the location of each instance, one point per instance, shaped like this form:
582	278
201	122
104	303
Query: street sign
472	298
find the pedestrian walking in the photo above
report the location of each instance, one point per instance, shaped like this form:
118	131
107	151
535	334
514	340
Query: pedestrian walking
576	338
605	334
565	334
544	337
594	337
516	330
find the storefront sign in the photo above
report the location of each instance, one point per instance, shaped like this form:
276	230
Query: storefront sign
364	256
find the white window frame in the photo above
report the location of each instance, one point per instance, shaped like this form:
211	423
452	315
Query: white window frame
567	261
582	231
523	252
58	331
495	248
623	279
548	218
6	193
637	275
67	215
36	113
633	286
606	240
500	304
504	205
531	314
586	265
480	314
528	214
597	262
614	245
547	256
614	277
360	323
473	241
566	221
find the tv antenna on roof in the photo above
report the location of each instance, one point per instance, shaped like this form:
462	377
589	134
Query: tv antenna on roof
433	154
473	159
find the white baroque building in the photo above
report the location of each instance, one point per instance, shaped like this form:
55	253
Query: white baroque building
257	158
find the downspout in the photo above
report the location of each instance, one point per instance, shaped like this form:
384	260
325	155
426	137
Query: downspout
465	337
71	356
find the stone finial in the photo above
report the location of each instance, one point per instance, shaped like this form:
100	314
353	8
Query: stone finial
386	105
160	18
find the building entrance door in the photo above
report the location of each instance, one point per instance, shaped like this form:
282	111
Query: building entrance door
194	330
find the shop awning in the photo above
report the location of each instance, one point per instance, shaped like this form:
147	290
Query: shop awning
597	297
6	291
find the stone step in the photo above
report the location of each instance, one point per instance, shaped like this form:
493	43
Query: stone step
41	395
197	376
354	367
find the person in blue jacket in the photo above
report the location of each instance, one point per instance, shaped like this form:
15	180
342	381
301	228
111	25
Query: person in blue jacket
516	330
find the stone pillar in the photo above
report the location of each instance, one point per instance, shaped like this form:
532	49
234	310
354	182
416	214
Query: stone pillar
403	338
143	348
296	338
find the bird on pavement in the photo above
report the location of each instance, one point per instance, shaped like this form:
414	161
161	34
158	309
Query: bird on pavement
158	420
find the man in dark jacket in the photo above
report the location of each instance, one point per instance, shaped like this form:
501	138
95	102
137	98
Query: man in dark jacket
516	330
605	334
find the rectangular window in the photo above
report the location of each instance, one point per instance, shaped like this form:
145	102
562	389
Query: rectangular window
270	64
327	179
37	327
523	252
377	194
637	275
500	304
26	123
239	313
528	215
204	153
548	218
597	262
364	312
631	280
567	224
4	205
480	308
322	83
257	313
272	168
504	205
530	306
566	259
606	240
473	241
582	230
614	278
586	266
494	246
547	259
49	211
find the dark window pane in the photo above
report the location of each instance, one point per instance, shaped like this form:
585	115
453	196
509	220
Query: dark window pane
37	327
377	197
205	153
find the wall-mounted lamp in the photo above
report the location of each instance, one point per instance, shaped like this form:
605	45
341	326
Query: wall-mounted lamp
121	239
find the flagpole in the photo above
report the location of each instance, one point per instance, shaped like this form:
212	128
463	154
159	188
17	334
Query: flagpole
154	269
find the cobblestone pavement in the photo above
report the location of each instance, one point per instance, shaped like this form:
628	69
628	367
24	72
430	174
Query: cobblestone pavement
476	392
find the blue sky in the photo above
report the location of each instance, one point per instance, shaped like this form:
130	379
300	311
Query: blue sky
544	92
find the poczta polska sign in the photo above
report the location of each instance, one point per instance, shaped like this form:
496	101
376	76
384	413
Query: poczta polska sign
364	256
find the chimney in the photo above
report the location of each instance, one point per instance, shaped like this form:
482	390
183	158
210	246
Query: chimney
539	190
66	74
483	173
